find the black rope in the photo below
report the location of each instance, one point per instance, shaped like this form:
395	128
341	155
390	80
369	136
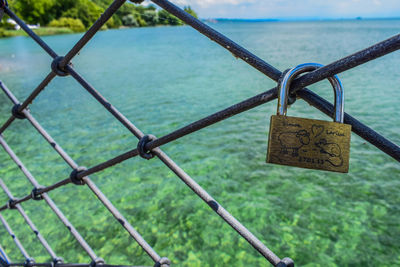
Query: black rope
3	4
237	50
115	5
33	35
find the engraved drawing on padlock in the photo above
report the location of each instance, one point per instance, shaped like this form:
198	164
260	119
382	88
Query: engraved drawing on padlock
293	141
333	150
309	143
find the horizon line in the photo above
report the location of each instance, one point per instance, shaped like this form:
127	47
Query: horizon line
303	19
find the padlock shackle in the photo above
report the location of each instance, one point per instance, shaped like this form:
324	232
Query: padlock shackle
284	86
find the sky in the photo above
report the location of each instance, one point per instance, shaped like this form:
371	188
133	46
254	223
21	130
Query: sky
293	9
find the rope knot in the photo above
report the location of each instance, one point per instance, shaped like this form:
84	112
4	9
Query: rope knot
36	195
56	68
16	113
286	262
141	147
74	176
163	262
57	261
11	204
97	261
29	262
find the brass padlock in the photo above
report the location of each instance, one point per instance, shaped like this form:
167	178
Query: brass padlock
307	143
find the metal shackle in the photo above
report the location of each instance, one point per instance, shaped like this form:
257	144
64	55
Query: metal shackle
284	86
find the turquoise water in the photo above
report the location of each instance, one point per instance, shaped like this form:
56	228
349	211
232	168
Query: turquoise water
164	78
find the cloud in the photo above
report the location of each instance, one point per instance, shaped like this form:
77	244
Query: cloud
293	8
208	3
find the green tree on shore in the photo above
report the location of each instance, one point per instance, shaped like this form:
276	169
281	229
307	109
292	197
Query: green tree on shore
72	14
75	25
34	12
189	10
85	10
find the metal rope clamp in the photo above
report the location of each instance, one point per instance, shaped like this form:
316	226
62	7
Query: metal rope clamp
307	143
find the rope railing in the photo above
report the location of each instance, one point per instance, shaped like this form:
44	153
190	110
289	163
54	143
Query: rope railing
3	256
48	200
149	146
16	240
29	222
173	166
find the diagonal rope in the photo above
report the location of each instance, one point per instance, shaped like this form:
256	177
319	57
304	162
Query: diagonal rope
49	201
15	238
30	223
60	64
33	35
115	5
363	56
4	255
357	127
237	50
114	211
225	215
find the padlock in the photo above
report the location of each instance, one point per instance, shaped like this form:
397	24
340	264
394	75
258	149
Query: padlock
308	143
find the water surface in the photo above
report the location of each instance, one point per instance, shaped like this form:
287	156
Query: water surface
166	77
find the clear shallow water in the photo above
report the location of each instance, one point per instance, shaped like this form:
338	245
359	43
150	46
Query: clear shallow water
164	78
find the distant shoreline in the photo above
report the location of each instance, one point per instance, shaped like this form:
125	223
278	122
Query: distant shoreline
49	31
216	20
42	31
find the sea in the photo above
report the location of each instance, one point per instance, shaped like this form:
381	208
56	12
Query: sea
163	78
